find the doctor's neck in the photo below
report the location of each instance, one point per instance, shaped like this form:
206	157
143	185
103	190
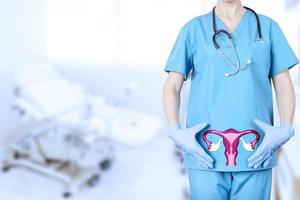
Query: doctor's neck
229	8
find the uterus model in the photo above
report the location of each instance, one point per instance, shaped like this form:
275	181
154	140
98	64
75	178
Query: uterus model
231	139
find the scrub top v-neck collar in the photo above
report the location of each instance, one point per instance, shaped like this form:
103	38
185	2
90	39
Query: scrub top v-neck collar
221	25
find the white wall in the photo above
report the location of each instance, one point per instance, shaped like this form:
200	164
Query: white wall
130	32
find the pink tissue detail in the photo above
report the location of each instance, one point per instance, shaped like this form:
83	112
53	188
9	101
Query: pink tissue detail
231	141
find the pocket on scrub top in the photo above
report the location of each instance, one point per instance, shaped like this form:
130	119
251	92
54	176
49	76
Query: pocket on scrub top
261	52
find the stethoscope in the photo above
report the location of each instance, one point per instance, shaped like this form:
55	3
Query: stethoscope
237	66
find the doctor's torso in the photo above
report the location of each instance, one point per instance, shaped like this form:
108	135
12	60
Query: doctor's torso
230	104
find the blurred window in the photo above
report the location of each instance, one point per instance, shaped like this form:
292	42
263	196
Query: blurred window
127	31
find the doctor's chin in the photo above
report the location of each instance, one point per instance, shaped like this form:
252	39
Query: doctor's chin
149	100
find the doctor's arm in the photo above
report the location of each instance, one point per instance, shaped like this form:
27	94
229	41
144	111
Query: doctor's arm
171	97
285	96
275	137
184	138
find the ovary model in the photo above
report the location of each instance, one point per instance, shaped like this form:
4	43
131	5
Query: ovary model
231	138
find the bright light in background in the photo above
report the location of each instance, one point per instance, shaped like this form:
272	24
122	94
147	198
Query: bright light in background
80	30
138	32
149	27
131	31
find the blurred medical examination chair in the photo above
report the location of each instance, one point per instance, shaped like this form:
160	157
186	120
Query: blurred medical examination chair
74	131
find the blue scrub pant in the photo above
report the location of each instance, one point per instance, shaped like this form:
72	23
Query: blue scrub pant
212	185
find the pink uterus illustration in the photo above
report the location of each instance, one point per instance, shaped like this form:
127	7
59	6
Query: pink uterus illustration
231	138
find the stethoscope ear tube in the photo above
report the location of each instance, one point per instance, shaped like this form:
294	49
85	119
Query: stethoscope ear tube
257	22
228	34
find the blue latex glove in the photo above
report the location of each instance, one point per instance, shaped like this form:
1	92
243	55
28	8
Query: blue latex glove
274	138
184	138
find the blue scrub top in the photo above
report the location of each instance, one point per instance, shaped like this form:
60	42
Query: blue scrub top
230	104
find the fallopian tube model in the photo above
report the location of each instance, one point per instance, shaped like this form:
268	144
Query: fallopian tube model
231	139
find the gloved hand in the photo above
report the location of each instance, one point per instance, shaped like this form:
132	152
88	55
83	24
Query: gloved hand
274	138
185	139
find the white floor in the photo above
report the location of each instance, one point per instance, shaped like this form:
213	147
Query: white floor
147	173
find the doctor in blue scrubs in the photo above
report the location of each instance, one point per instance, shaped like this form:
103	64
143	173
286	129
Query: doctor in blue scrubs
234	56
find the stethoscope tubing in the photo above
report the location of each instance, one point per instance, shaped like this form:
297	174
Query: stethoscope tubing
229	36
216	32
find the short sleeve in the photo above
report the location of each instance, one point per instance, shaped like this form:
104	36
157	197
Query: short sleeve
179	59
282	55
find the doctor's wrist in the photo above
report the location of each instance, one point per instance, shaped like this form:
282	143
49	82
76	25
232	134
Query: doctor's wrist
175	126
286	125
289	127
